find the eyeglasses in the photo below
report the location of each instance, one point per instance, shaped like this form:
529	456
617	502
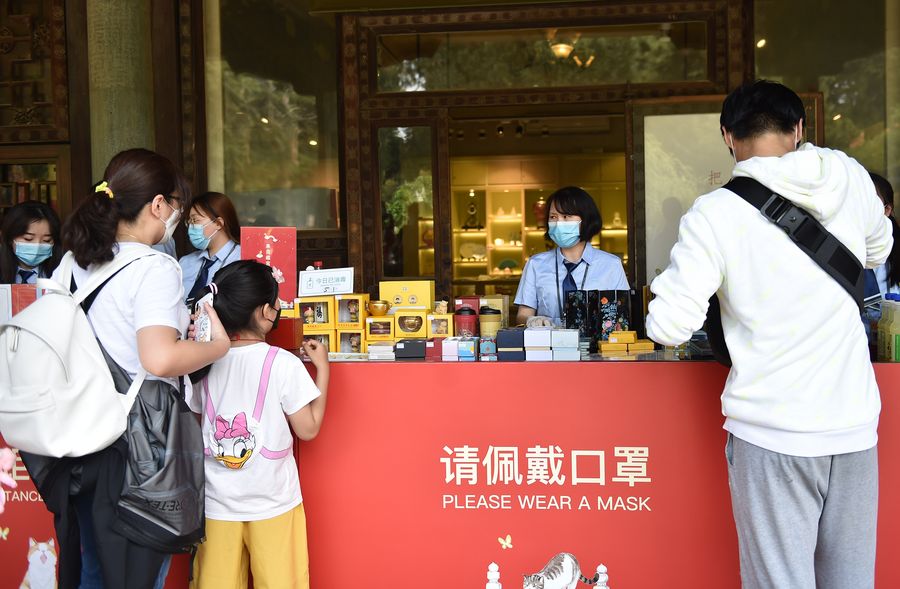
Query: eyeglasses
179	200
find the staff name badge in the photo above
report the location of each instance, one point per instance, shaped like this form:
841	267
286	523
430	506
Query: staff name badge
326	282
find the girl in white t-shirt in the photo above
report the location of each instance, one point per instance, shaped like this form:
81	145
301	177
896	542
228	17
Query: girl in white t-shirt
139	317
249	402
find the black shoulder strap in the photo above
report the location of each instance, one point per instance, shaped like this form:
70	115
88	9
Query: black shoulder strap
808	233
89	300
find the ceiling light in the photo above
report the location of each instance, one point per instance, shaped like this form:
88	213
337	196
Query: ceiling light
313	142
761	43
471	192
836	117
264	121
500	131
561	49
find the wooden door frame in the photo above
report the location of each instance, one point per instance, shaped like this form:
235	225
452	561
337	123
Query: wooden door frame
730	60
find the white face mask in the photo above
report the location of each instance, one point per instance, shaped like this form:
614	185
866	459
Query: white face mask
170	224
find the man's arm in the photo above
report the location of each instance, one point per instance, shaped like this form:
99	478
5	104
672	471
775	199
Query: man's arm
682	292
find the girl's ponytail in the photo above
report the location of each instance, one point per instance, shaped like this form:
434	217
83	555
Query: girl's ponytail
131	181
90	232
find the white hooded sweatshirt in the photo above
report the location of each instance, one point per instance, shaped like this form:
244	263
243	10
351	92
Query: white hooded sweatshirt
801	381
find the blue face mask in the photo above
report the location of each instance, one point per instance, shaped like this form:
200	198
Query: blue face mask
198	240
33	254
565	233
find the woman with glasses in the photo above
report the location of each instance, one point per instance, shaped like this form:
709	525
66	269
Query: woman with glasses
215	232
139	318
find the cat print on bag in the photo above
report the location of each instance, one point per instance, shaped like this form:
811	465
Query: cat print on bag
41	573
233	443
562	572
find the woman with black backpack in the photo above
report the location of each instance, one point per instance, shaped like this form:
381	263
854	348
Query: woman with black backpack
140	319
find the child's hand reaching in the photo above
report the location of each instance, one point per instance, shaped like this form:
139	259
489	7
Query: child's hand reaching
316	351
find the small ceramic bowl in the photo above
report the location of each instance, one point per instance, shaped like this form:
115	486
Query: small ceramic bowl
378	308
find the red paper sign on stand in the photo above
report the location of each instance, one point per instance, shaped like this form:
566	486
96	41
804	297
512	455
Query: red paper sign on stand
275	247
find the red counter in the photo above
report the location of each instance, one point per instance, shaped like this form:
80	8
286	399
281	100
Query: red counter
424	474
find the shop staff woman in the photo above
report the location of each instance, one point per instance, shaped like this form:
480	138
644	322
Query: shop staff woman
214	230
572	220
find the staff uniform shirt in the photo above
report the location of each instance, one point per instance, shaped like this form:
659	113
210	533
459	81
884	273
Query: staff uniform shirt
881	275
191	263
145	293
32	279
539	288
259	487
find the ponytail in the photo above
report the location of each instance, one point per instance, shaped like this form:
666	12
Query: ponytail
131	180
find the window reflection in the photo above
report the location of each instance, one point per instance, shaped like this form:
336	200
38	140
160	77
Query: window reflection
271	99
540	58
405	184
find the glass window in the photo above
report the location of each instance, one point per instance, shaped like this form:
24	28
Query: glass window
271	111
852	55
405	164
542	58
21	182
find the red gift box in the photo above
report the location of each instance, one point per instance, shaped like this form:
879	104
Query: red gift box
434	349
22	296
275	247
288	335
470	302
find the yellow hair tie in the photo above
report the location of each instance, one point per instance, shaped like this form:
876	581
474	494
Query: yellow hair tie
104	187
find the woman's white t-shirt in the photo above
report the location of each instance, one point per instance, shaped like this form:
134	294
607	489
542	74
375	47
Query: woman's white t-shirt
244	481
145	293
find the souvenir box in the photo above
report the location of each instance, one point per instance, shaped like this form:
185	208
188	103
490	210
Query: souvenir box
326	337
351	341
288	335
275	247
566	355
439	326
538	355
468	349
487	349
512	338
380	328
564	339
410	349
317	313
450	349
416	294
409	324
583	312
511	355
351	311
381	350
434	349
538	337
473	303
622	337
499	302
511	345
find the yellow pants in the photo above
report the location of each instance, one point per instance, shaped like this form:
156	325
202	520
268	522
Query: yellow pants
275	550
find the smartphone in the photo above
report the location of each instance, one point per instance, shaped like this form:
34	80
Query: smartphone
202	325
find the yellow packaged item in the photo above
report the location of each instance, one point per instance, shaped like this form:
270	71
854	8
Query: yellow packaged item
351	311
317	312
623	337
642	345
612	347
416	294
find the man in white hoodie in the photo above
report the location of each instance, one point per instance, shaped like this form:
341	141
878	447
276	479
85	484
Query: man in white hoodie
801	402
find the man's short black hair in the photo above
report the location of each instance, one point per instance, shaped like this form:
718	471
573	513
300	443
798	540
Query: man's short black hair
573	200
761	107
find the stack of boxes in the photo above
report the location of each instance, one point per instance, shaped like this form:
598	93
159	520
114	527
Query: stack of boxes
411	302
318	317
381	350
538	344
511	344
625	343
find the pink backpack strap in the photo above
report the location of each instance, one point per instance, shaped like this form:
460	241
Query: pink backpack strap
264	383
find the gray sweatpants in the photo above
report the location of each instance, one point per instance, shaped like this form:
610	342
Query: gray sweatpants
804	523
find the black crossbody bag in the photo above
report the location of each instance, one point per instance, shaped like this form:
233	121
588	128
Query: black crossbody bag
808	234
